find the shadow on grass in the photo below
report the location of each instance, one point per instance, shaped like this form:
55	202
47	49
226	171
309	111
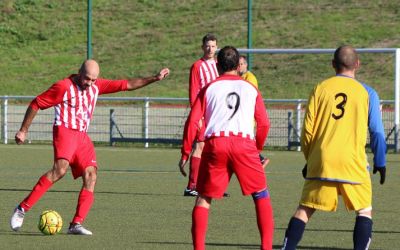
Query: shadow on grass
242	246
10	232
97	192
344	230
22	233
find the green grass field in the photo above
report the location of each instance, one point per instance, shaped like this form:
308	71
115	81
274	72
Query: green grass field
139	204
43	41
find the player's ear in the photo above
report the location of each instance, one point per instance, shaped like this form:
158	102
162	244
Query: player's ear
334	64
358	64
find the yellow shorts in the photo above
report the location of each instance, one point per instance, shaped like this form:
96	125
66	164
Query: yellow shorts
323	195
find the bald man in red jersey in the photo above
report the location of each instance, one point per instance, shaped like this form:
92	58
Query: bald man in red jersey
74	99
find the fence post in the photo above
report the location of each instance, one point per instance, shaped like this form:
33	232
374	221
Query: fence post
146	121
298	123
289	127
397	100
4	118
111	126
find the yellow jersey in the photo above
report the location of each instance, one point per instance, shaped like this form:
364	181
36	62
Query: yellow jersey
250	77
339	114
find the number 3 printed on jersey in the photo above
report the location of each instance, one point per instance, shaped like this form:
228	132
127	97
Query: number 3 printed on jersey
342	97
233	102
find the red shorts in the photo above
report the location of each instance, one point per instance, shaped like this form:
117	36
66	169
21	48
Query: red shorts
223	156
74	146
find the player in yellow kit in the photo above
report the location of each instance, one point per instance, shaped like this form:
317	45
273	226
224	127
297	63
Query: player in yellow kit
245	73
340	113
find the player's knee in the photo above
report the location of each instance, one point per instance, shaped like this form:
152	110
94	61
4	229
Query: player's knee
366	212
60	168
90	175
203	201
260	195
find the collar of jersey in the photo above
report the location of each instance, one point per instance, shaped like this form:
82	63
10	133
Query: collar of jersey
231	77
344	76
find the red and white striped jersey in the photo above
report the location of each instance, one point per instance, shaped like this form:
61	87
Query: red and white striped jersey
74	106
229	106
202	73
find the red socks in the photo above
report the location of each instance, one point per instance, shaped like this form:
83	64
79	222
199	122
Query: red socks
37	192
194	172
85	202
199	227
265	222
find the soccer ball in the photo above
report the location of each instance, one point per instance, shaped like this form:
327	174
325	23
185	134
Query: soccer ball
50	222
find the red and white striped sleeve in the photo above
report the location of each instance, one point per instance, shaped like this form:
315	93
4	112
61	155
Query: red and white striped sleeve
51	97
194	83
263	124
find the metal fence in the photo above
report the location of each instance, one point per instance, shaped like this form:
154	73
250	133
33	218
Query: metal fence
160	120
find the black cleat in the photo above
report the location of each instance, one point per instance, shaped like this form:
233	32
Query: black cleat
190	192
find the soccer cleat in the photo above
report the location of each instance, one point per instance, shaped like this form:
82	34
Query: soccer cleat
190	192
17	218
226	195
77	228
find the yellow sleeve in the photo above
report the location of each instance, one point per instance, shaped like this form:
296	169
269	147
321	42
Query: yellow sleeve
308	125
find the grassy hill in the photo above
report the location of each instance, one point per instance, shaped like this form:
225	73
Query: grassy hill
42	41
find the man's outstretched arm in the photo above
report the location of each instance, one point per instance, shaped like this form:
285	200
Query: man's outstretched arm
136	83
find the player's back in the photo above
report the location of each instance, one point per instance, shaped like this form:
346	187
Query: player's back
230	107
338	110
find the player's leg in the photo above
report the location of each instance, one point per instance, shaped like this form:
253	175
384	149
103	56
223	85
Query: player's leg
44	183
86	195
194	169
212	181
85	202
359	198
85	166
245	163
362	233
200	222
265	220
296	226
321	195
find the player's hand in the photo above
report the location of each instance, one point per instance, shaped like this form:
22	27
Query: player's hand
20	137
382	172
304	171
163	73
264	161
182	164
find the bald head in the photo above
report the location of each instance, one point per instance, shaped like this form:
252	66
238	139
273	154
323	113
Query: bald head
345	59
88	73
90	67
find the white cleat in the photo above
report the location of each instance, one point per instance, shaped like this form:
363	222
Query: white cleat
17	219
78	229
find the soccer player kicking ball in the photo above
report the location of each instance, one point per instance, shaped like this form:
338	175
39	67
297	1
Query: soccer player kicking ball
340	112
74	99
229	106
